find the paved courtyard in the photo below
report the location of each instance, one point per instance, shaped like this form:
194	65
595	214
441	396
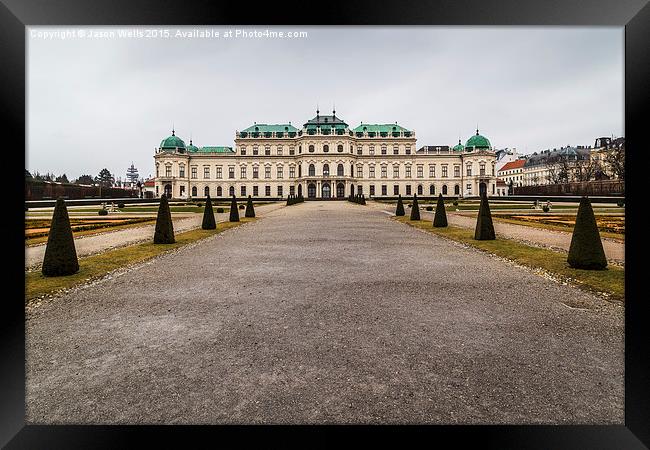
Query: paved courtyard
325	312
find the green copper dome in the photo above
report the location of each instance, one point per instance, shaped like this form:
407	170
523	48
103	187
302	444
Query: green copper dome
478	141
191	147
459	147
172	142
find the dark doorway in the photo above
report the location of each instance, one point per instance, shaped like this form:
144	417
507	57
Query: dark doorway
168	191
326	191
482	189
300	190
311	190
340	190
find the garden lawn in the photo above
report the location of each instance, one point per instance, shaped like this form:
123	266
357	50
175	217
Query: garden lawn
96	266
610	281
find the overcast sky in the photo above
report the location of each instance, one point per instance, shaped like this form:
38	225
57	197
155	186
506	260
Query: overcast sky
105	102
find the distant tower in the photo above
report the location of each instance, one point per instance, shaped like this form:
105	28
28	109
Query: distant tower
132	174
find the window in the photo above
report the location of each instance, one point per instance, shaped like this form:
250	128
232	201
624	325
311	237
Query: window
432	171
359	171
311	149
267	172
372	189
279	191
457	190
255	191
383	149
243	172
206	191
360	189
231	190
326	148
255	150
420	172
408	149
396	171
279	150
492	189
432	190
371	150
206	172
469	187
469	170
444	189
326	170
194	172
384	170
359	150
280	171
292	150
444	171
384	189
292	171
256	172
219	191
231	172
168	171
267	191
339	170
267	150
395	150
312	170
420	189
408	172
194	191
157	171
457	171
395	189
219	172
339	148
243	191
292	190
181	171
482	170
371	171
299	149
242	150
408	189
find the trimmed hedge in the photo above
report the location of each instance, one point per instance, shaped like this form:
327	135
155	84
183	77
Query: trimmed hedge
60	254
440	217
234	212
586	249
399	211
250	211
164	233
208	216
103	212
415	209
484	230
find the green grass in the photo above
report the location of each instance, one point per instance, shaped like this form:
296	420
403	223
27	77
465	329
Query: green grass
610	281
35	240
96	266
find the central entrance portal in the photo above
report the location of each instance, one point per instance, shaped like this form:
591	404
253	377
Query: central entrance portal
311	190
340	190
326	191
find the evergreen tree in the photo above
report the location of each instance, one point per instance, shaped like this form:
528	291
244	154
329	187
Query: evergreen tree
60	253
484	229
209	222
586	249
440	218
415	209
164	233
400	206
234	212
250	211
105	178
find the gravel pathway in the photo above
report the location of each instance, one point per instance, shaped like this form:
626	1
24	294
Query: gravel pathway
89	245
325	312
555	240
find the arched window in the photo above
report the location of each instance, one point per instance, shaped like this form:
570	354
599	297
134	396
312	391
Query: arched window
420	189
444	189
326	170
351	169
457	190
312	170
299	170
432	190
339	170
194	191
206	191
219	191
326	148
311	149
339	148
231	190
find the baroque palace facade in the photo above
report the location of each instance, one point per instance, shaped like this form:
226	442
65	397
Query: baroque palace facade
324	159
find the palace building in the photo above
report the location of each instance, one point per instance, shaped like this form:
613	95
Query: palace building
325	158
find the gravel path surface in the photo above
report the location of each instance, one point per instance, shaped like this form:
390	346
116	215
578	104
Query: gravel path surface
89	245
555	240
325	312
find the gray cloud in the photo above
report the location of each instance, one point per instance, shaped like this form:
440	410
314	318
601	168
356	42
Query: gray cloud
105	103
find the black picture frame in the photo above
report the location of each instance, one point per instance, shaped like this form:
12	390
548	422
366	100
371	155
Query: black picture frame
634	15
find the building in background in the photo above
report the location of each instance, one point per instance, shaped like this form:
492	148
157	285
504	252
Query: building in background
512	174
325	158
555	166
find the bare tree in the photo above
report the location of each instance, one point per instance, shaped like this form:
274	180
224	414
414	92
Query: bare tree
615	159
558	168
585	169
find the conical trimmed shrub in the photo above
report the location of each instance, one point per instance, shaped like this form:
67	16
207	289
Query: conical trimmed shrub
484	229
415	209
208	216
586	249
363	199
234	212
440	217
400	206
164	233
250	211
60	254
